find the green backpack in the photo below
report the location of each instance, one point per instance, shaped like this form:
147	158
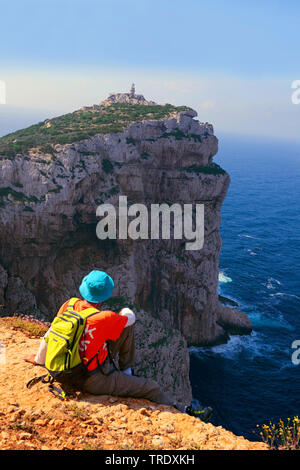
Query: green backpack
63	361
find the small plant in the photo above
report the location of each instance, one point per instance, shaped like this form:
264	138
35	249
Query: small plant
130	141
47	149
92	447
212	169
23	427
179	135
284	436
76	411
107	166
125	447
145	155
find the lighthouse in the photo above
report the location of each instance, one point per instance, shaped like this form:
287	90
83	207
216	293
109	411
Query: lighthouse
132	90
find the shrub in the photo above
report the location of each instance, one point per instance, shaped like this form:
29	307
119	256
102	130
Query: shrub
130	141
107	166
48	149
283	436
212	169
145	155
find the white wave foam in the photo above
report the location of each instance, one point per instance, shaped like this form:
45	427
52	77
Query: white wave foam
223	278
285	294
271	283
242	235
253	345
252	253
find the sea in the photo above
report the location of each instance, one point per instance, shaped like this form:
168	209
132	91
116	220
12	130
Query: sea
255	379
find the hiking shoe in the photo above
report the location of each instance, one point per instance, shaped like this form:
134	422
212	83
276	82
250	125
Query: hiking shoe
204	414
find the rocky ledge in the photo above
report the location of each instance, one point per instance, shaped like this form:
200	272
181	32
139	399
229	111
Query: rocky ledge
35	420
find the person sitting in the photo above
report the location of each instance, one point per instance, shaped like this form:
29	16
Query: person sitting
107	334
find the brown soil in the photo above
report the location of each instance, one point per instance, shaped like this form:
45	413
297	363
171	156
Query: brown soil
35	419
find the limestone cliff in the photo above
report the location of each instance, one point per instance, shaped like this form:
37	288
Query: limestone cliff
55	174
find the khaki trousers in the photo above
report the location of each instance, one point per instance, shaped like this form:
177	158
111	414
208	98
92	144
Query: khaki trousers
117	383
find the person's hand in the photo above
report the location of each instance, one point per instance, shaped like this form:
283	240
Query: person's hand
127	312
30	358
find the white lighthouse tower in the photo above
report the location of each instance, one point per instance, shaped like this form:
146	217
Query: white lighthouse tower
132	90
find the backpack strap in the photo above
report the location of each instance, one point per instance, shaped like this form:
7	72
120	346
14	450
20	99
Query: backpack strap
111	357
41	378
48	379
71	303
89	311
99	366
84	313
57	392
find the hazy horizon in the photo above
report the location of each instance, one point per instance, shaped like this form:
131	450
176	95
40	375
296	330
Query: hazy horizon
233	62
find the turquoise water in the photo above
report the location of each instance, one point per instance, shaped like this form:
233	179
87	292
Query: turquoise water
252	379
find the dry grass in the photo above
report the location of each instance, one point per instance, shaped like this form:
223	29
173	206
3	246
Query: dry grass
27	324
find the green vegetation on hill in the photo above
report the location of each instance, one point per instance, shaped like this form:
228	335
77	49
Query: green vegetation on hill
80	125
179	135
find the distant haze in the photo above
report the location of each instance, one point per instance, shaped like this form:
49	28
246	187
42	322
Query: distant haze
234	62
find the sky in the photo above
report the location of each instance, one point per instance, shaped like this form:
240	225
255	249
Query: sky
233	61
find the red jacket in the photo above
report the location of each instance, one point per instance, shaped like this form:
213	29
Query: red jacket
101	327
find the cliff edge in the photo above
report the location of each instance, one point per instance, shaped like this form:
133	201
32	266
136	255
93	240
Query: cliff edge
36	420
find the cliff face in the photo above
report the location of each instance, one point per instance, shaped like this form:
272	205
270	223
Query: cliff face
48	221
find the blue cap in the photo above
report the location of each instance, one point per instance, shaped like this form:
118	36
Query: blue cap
96	287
